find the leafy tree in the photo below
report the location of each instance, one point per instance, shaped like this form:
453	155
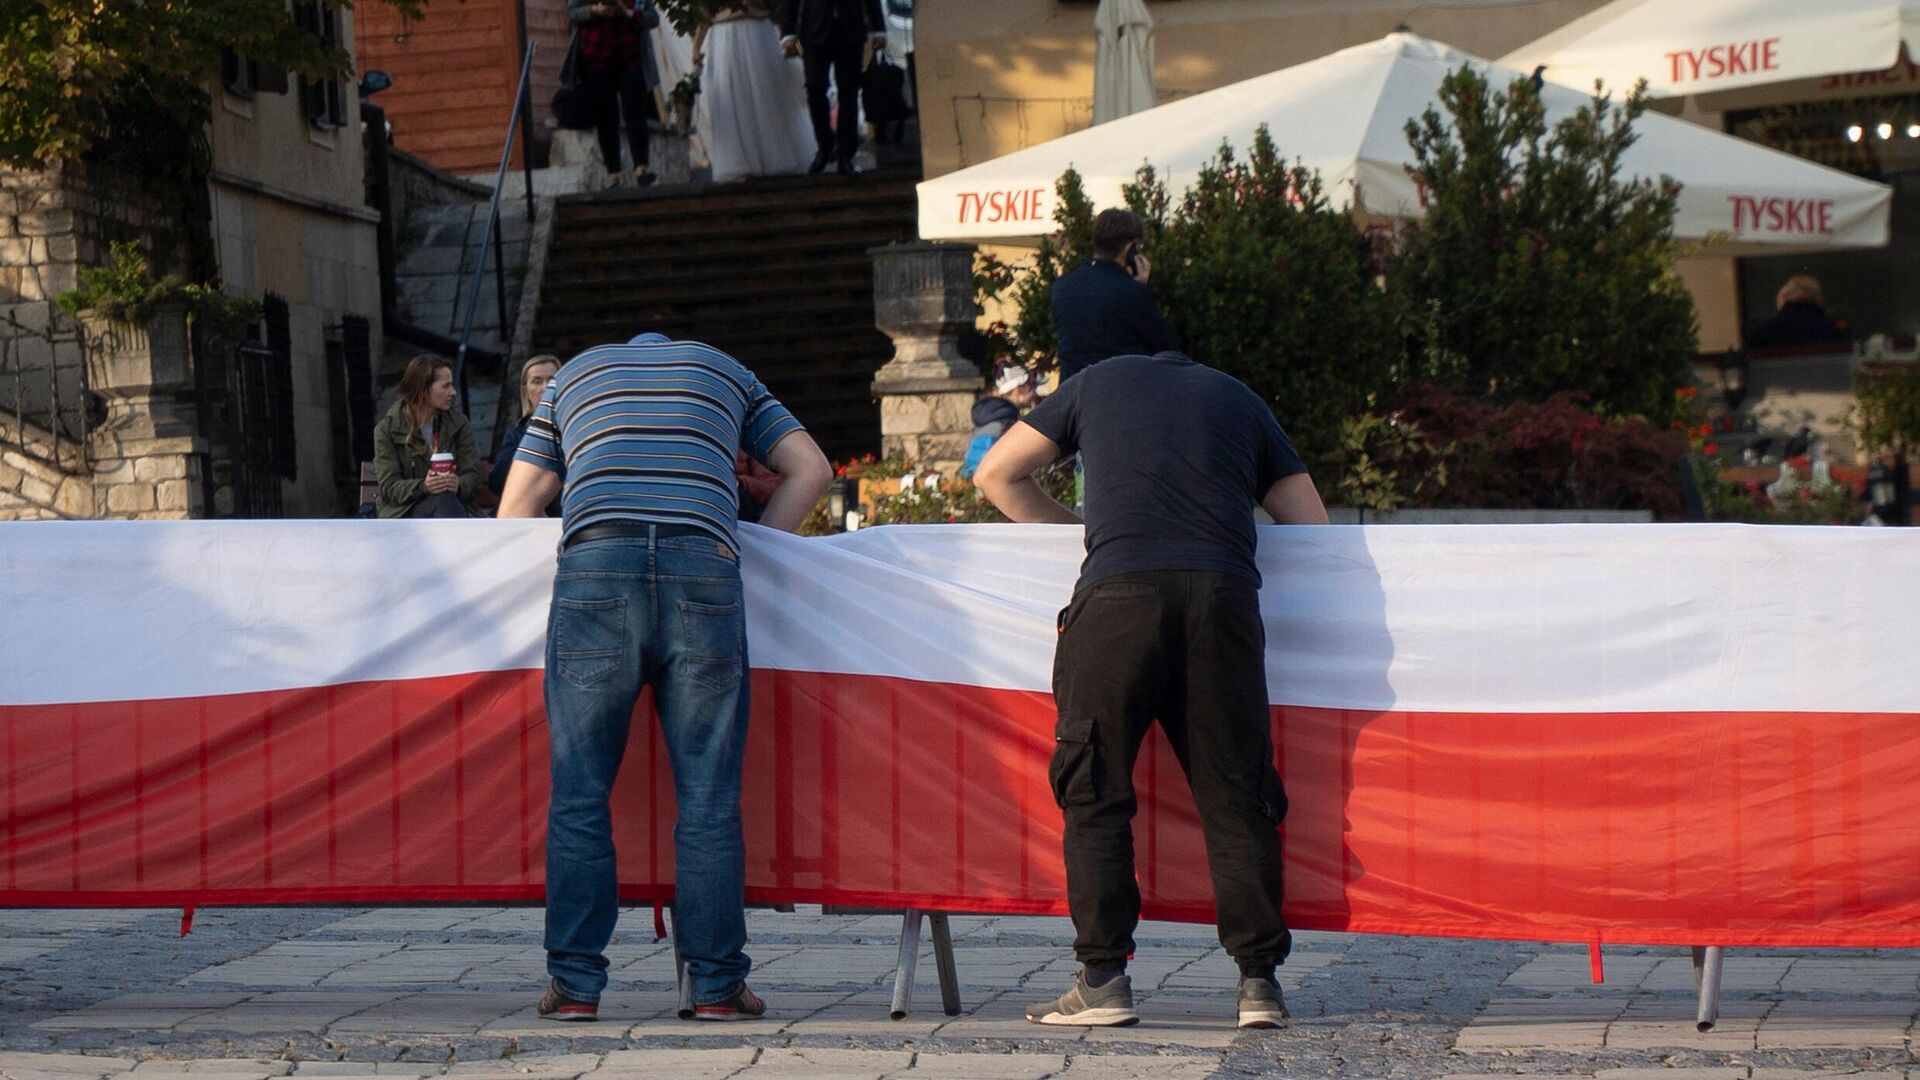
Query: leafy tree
77	73
1265	281
1539	269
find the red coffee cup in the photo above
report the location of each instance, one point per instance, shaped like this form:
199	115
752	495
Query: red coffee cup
440	464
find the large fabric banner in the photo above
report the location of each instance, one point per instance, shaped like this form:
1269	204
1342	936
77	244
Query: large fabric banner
1656	734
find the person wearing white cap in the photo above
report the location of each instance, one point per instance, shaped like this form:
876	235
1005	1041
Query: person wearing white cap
1013	390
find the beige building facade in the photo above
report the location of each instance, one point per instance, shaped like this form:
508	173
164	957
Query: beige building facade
290	220
996	76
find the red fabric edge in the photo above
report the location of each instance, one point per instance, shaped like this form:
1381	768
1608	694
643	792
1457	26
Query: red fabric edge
534	895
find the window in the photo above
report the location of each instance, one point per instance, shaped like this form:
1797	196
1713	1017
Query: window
239	76
244	77
323	101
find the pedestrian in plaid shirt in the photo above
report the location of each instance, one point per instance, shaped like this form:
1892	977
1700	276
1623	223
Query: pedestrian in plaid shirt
612	60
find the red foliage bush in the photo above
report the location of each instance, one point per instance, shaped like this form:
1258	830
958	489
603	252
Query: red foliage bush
1550	455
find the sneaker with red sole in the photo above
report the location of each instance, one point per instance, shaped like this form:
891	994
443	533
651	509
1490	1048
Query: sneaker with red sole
743	1005
555	1005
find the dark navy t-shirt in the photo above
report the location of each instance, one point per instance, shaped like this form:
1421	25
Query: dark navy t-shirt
1176	455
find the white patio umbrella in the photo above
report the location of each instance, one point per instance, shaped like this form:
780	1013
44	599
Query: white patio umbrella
1122	60
1684	47
1345	115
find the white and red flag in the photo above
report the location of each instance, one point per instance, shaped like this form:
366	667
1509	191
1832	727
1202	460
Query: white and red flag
1660	734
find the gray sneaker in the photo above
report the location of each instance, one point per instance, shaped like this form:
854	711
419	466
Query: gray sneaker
1107	1005
1261	1005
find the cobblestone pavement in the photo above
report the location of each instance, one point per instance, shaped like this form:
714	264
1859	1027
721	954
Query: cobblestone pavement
433	992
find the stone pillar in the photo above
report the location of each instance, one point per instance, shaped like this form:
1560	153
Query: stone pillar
923	300
147	461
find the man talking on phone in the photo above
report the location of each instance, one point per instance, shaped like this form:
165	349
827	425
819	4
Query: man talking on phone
1104	309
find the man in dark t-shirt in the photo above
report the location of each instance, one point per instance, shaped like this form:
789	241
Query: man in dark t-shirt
1164	625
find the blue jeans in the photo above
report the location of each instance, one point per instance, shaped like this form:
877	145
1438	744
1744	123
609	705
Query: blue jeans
632	612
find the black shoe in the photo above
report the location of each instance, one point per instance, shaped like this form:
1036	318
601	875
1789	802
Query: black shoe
846	168
555	1005
743	1005
819	163
645	179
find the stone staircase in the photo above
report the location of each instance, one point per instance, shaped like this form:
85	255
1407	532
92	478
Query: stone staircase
776	272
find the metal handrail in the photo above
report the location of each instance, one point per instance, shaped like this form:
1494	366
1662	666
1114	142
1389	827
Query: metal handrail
57	410
493	225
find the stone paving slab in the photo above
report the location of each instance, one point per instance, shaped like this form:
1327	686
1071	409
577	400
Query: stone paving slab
430	993
983	1067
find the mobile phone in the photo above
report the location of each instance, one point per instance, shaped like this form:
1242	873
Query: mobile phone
1131	260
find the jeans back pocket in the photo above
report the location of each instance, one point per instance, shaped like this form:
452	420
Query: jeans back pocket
711	642
589	639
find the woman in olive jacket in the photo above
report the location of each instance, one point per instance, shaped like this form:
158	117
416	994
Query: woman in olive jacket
422	423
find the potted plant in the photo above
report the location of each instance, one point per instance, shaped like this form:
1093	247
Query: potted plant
136	326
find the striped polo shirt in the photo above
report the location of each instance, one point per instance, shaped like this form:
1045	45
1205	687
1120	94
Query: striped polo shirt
646	432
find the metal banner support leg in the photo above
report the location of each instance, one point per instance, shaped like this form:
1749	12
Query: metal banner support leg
903	968
943	960
910	958
1706	978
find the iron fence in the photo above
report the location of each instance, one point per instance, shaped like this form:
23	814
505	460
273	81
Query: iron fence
43	382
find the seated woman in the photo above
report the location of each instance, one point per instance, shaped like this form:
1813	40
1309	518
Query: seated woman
535	374
420	426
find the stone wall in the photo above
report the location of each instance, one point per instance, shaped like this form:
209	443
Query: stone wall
40	242
413	184
41	477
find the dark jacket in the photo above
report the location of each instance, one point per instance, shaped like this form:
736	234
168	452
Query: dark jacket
1799	322
812	20
400	459
503	464
1100	312
580	12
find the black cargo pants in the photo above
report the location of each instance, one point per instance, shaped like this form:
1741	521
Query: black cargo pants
1187	649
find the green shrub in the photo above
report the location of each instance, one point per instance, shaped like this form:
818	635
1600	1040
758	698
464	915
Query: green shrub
1888	407
126	291
1268	283
1538	270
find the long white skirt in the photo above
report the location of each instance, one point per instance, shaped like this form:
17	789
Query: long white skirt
752	106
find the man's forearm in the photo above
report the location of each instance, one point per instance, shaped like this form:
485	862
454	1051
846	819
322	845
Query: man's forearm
793	500
1295	501
1026	502
529	489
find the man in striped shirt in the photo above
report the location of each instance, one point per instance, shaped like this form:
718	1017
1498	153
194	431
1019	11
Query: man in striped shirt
639	442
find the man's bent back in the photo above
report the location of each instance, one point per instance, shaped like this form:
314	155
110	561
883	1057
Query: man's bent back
640	441
1164	627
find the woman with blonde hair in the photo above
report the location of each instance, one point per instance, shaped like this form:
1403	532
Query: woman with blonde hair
535	374
423	453
1800	318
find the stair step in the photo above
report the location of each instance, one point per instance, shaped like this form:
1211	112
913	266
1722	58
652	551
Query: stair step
660	292
731	230
779	192
741	248
598	216
738	301
777	273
